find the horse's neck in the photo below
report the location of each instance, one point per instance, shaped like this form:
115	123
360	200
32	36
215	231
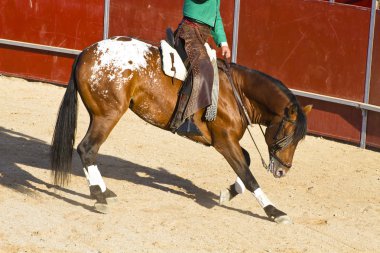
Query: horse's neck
264	97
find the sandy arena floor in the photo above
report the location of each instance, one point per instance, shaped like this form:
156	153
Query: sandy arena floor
168	190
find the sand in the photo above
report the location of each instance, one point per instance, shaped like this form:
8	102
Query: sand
168	189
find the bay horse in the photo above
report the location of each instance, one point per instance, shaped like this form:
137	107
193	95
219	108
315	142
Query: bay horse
122	72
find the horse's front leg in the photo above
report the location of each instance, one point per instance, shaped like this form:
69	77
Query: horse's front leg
237	187
231	192
237	158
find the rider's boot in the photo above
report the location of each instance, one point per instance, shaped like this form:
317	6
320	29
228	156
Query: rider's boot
183	127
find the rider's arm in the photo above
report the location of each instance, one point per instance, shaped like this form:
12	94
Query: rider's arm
219	35
218	32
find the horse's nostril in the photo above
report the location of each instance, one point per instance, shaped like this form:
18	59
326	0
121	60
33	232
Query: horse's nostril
280	173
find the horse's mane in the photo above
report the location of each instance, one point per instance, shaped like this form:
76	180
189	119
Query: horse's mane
301	122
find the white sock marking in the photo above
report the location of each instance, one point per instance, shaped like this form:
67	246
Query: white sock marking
87	176
95	178
261	198
239	186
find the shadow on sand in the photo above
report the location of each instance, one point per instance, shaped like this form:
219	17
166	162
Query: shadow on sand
17	148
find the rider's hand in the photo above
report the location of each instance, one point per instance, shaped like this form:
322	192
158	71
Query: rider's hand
226	52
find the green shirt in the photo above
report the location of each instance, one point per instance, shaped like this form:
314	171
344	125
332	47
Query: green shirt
207	12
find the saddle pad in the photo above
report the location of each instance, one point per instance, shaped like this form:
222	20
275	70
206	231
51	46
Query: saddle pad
172	64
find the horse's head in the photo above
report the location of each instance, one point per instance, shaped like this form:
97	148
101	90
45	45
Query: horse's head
282	136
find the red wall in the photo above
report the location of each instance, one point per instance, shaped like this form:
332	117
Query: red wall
364	3
148	20
334	120
304	43
310	45
144	19
62	23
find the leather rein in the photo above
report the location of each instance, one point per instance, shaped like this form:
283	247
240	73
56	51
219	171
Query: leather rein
278	145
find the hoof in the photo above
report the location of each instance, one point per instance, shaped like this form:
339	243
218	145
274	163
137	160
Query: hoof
284	219
225	196
101	207
97	194
110	196
111	200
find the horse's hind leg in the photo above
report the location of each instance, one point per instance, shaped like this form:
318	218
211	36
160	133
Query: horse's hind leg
98	131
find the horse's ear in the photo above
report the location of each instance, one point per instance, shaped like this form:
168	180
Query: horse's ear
307	109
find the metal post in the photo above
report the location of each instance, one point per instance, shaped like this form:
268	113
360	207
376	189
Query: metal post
363	135
106	19
235	36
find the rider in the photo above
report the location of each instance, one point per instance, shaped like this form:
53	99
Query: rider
201	19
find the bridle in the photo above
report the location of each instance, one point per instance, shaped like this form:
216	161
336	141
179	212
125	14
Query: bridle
282	143
279	144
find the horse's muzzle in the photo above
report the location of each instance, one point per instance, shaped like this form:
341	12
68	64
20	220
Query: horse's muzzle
279	173
276	168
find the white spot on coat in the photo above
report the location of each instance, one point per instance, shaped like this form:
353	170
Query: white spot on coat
115	57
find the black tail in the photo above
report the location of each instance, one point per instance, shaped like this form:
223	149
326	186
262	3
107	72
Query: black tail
61	150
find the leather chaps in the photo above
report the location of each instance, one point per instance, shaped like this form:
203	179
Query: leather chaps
194	36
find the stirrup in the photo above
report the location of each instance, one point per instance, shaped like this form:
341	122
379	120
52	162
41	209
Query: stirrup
188	128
